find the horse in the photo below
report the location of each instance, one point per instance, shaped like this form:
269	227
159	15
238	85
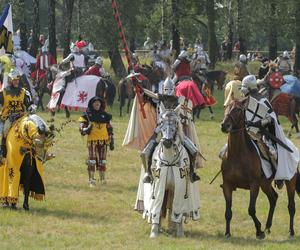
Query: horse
241	168
171	186
27	143
41	87
61	94
154	75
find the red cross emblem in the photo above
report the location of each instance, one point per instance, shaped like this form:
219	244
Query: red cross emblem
82	96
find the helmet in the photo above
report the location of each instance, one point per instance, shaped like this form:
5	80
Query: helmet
168	87
243	58
14	74
248	83
75	49
285	54
99	60
183	54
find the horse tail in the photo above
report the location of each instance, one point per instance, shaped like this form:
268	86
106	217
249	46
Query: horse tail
122	92
298	183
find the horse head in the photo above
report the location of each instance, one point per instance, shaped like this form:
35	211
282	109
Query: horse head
42	137
234	117
169	126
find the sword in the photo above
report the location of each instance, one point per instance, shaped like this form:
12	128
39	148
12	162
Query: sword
275	139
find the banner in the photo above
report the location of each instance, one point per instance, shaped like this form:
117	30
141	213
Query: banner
6	30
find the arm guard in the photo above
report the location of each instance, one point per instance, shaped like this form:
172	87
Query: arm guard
190	146
68	59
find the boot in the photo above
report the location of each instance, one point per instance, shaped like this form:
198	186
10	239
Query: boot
91	178
102	177
193	175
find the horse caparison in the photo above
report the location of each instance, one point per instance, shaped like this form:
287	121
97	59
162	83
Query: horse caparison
241	168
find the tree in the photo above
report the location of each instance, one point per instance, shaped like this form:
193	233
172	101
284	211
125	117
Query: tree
230	30
23	27
36	29
212	40
241	26
297	38
68	6
51	28
273	30
175	27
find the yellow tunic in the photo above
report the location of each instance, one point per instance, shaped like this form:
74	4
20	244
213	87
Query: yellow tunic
18	138
232	92
12	104
99	131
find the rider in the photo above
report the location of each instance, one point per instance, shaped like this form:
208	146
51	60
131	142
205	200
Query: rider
96	124
76	60
170	101
97	69
15	102
240	67
284	63
182	67
43	62
265	130
264	68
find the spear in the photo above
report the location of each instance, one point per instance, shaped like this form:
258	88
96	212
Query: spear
127	53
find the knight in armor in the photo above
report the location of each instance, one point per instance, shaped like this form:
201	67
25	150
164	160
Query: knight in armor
43	62
170	101
264	68
240	67
182	68
76	60
15	102
97	69
285	66
263	127
96	124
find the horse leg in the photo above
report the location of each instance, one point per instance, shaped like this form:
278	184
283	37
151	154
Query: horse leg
40	103
290	188
227	191
254	190
68	114
212	116
26	174
267	188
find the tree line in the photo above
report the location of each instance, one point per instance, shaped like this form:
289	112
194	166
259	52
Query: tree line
269	25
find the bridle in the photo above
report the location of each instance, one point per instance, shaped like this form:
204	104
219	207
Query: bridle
235	120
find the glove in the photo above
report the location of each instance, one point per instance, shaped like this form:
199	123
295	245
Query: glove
88	129
253	124
32	109
112	144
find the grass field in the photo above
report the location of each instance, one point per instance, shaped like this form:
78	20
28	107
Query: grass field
75	216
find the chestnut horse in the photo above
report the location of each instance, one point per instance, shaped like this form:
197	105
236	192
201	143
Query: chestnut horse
241	168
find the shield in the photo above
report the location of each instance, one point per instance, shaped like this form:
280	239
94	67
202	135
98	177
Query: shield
276	80
256	111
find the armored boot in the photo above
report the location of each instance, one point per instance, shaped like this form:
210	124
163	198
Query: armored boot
91	172
146	157
193	175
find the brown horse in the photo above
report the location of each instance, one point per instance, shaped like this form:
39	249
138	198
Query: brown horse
125	90
241	168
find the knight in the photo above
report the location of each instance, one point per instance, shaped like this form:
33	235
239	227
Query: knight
262	124
170	101
182	68
15	101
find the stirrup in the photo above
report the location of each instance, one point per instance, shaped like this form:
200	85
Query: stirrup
194	177
147	178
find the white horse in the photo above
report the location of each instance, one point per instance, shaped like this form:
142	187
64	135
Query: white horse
171	187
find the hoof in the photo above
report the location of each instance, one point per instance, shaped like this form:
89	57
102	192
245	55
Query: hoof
268	231
26	207
13	206
260	236
154	231
291	235
227	235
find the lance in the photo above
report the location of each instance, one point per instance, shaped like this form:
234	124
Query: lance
127	53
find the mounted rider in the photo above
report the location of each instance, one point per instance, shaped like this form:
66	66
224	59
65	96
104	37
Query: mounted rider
182	68
170	101
15	101
284	63
240	67
264	68
279	156
97	69
43	62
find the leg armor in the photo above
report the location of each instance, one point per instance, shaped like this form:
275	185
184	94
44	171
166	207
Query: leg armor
192	151
146	157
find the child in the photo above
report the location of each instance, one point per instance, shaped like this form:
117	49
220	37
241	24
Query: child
95	123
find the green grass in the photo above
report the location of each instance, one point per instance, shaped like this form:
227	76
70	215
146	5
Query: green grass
75	216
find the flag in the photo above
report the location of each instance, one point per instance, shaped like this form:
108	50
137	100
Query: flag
6	30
